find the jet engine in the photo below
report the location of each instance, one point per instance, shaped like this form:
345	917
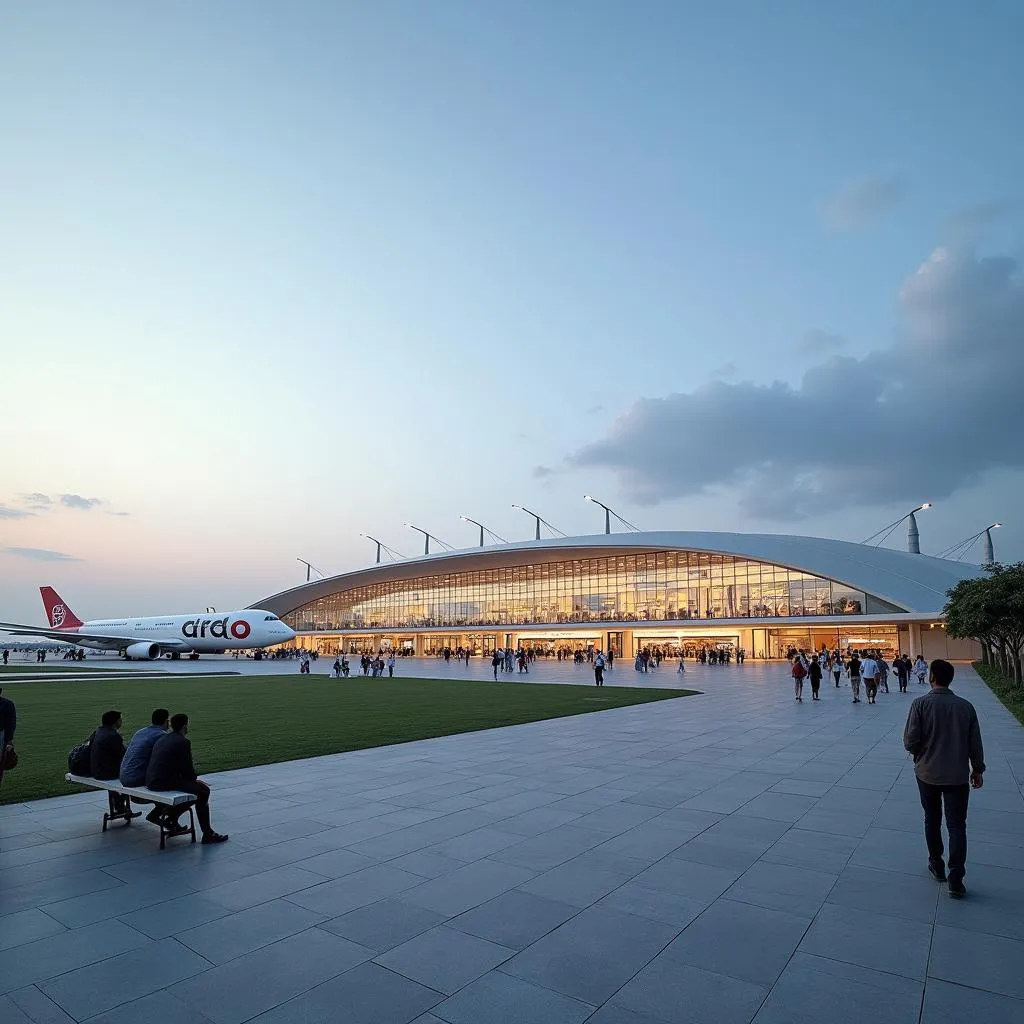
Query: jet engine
142	651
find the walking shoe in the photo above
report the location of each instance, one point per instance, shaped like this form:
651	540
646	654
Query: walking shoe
156	815
957	890
176	830
214	837
937	872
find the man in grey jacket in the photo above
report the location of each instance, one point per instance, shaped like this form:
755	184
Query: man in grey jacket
943	735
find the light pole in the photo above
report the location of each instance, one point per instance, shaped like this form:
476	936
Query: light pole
483	529
913	537
381	545
310	568
539	520
608	513
427	538
989	552
962	547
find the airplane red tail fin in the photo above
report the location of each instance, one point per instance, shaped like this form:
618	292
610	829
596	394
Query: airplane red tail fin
58	614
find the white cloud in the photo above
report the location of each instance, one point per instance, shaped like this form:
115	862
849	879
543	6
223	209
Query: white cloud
918	420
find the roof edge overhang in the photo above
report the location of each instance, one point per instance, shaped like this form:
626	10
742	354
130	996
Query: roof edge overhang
910	582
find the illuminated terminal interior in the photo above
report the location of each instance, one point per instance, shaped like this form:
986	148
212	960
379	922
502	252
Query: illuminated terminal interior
675	592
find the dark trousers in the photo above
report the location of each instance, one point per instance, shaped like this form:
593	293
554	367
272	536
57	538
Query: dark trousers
954	800
202	794
598	675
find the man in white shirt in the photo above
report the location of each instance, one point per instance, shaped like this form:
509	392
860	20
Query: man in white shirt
869	672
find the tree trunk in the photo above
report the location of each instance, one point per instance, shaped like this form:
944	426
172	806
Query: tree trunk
986	658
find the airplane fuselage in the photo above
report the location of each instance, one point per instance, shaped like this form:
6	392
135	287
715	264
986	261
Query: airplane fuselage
203	633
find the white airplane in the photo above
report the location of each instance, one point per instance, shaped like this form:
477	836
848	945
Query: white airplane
157	634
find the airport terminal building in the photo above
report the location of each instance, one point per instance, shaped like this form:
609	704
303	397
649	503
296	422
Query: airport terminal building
677	591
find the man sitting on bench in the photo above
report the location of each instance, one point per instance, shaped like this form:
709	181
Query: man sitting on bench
105	754
170	767
136	761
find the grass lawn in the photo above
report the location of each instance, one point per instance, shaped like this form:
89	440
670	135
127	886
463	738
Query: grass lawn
245	720
1010	695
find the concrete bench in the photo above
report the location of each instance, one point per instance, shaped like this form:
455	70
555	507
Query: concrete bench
169	798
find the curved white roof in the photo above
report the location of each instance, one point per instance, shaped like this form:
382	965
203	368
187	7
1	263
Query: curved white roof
916	583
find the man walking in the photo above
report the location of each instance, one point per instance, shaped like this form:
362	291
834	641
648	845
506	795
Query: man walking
599	669
798	672
853	671
869	671
814	674
944	737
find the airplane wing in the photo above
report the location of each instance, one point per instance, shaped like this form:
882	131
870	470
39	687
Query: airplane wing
78	636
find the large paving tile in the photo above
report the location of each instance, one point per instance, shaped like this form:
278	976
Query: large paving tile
687	878
666	907
35	1006
497	998
165	919
786	807
578	884
796	890
877	941
514	919
549	849
158	1008
34	962
232	936
592	955
677	994
268	885
367	994
995	904
382	926
740	940
978	960
350	892
11	1013
27	926
953	1004
256	982
886	892
821	851
444	959
91	990
813	989
467	887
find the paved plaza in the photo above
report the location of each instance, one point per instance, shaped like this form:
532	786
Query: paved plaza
722	858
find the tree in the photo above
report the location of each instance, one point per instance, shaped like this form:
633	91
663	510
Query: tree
990	609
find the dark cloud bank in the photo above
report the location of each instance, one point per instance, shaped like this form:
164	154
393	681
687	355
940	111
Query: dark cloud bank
913	422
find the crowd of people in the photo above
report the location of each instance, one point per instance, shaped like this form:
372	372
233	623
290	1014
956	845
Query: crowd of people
868	667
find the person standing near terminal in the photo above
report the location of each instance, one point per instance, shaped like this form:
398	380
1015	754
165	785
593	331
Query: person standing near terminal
495	662
920	669
814	674
902	667
837	667
391	665
8	724
883	671
853	671
944	738
599	669
798	672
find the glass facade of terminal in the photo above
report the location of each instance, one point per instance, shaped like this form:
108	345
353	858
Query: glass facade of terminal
655	586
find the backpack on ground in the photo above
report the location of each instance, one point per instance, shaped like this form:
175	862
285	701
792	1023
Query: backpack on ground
80	759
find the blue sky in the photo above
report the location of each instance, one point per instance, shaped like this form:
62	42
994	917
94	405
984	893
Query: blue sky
274	275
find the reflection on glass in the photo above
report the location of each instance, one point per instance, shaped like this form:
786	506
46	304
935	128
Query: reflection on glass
655	586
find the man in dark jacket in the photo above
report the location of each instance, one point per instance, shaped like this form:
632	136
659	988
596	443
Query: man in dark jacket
106	753
8	723
170	767
944	736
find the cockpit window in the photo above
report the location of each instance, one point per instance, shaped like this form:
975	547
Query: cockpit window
271	618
